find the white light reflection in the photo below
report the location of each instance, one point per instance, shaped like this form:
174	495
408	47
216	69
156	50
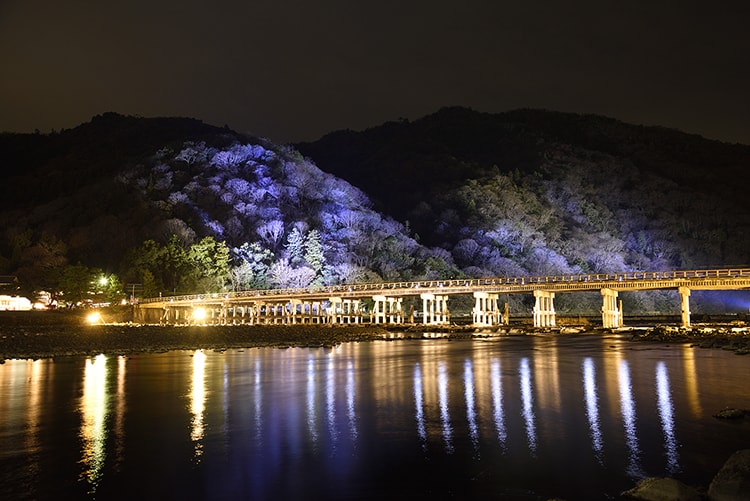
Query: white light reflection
528	403
331	400
119	426
471	412
419	405
311	414
444	411
592	409
497	402
258	402
627	407
198	403
350	397
667	417
94	411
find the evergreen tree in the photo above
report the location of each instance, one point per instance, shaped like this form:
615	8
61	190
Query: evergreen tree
295	246
314	251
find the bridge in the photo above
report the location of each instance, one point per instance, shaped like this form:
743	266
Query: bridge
343	304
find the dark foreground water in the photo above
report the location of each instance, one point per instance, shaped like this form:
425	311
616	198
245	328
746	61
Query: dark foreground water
581	417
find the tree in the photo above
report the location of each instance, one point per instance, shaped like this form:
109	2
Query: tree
271	232
41	265
77	283
283	275
314	251
209	261
295	246
252	270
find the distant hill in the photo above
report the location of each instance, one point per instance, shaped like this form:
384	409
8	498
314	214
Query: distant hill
398	160
37	168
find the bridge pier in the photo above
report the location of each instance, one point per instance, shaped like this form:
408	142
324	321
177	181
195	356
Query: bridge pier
485	312
544	309
611	314
685	305
344	311
387	310
435	309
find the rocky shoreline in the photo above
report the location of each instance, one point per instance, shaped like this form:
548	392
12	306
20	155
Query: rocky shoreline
33	335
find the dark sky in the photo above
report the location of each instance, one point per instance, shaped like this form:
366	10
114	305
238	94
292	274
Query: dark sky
293	70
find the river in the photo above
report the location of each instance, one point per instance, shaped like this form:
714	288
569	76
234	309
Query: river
519	417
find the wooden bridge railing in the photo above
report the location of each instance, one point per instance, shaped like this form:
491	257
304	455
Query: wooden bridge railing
468	284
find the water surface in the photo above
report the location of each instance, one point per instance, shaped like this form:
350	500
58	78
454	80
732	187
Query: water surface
576	417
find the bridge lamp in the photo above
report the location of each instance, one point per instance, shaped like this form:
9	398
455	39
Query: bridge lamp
94	318
199	314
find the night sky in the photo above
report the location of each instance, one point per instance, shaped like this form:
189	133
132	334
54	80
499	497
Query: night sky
294	70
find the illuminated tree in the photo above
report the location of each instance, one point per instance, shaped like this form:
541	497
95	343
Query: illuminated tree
252	271
295	246
209	261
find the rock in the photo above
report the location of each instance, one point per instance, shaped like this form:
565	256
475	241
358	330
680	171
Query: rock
730	413
732	483
662	489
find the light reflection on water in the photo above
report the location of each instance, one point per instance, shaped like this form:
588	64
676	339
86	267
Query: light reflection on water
331	418
471	413
94	409
497	402
198	402
527	403
445	415
666	415
419	405
627	406
592	406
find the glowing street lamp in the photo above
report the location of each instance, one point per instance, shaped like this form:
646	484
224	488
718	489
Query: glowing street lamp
94	318
199	314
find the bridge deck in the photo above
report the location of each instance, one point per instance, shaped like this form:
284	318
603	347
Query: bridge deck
717	279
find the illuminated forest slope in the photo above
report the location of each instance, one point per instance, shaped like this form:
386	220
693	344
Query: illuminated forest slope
549	192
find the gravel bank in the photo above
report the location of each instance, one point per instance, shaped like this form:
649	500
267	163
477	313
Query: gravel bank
50	334
32	335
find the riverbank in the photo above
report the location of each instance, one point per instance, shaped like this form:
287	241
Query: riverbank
45	335
32	335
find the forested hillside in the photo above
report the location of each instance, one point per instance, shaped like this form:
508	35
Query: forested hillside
181	207
545	192
178	206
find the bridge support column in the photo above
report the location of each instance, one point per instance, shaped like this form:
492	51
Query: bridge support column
387	310
544	309
611	316
395	315
294	305
485	311
335	312
351	311
378	310
435	309
685	305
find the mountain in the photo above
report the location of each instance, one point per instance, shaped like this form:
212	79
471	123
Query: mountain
528	182
456	193
94	194
393	161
